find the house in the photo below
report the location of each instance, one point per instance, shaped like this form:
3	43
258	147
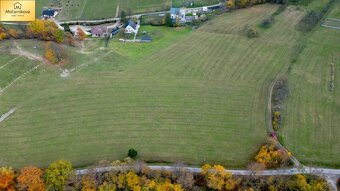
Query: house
178	14
99	31
49	13
131	27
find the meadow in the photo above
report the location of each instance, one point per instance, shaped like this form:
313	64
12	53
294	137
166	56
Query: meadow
192	96
84	9
313	109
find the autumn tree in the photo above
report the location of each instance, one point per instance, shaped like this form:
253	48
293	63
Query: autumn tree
13	33
80	34
271	156
7	179
57	174
37	27
88	183
58	35
230	4
69	39
215	176
133	181
49	54
30	179
45	30
243	3
106	186
3	34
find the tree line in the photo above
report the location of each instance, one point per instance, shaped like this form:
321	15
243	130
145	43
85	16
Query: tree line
130	175
45	30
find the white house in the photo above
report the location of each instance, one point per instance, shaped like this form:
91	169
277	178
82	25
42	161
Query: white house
131	27
178	14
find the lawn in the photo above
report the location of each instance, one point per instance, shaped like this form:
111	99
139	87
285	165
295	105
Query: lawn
192	96
311	128
89	9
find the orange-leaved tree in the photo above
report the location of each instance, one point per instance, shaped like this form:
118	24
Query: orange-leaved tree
30	179
50	54
88	184
13	33
80	34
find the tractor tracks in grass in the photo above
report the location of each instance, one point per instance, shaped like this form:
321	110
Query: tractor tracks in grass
9	62
94	60
18	78
6	115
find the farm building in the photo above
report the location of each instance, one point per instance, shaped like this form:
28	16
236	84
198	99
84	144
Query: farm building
99	31
114	32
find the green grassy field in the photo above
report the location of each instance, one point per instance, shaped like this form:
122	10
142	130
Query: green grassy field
192	96
87	9
311	128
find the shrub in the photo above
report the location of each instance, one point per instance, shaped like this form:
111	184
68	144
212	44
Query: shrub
252	33
266	23
132	153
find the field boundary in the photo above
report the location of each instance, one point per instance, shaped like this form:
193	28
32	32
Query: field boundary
270	126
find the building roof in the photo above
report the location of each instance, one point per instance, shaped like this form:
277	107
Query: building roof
48	12
174	11
100	30
115	31
146	38
132	24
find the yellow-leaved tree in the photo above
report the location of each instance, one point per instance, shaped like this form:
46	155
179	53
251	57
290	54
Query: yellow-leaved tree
57	174
216	176
7	179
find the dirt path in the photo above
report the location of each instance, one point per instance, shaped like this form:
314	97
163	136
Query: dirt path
270	126
27	54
